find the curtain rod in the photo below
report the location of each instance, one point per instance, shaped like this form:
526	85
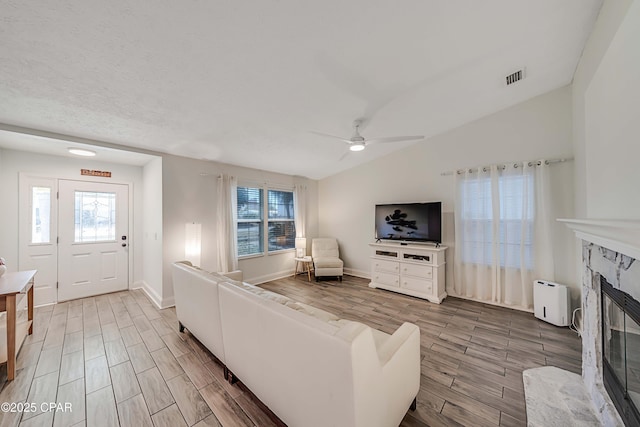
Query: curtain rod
502	166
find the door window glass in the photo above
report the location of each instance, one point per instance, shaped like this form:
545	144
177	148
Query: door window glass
95	216
40	215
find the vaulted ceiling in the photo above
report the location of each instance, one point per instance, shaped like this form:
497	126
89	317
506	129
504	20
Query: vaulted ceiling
245	82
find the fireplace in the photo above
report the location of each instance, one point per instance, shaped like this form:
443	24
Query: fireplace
621	350
610	333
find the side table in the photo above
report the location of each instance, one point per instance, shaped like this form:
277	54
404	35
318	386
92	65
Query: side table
11	286
307	266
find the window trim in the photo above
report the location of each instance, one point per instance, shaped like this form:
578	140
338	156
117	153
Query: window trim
266	187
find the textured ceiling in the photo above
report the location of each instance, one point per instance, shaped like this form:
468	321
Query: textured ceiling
245	82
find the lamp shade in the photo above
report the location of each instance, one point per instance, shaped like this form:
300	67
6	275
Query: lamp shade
301	247
193	242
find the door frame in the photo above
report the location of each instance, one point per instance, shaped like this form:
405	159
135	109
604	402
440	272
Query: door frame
23	189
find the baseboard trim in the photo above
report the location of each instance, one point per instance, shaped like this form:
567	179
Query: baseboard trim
513	307
168	302
153	295
357	273
269	277
289	273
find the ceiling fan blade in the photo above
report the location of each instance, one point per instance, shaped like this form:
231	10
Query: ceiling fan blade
346	153
331	136
394	139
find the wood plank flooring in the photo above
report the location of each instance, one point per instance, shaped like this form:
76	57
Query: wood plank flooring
121	362
473	354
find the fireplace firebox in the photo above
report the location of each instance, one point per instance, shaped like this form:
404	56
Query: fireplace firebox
621	351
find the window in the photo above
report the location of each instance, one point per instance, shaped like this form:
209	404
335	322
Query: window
515	225
277	215
40	215
282	229
250	224
95	217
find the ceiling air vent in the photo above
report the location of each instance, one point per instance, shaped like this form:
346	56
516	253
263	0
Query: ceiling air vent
515	77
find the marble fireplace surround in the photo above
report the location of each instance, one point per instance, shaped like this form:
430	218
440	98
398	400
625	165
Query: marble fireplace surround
610	248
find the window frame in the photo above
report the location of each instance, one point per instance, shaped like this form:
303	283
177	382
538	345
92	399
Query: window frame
265	219
476	215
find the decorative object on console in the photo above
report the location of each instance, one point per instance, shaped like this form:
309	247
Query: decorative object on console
193	242
3	266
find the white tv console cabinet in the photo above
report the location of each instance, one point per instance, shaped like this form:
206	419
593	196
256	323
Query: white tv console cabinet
410	269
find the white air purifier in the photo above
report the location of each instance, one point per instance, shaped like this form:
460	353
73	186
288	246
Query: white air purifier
551	303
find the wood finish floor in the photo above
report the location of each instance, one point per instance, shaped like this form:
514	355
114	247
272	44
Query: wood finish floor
120	361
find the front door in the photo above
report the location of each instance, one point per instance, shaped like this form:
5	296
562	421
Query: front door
93	248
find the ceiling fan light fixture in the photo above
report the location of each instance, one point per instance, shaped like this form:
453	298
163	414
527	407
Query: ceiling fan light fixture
356	146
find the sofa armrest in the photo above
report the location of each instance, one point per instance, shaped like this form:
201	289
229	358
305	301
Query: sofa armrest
397	341
234	275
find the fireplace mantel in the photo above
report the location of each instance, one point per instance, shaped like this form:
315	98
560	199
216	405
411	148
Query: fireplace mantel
619	235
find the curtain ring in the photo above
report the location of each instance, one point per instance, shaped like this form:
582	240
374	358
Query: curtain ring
546	162
484	169
515	165
538	163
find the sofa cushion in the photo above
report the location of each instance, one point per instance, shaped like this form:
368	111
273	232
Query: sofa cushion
272	296
325	316
327	263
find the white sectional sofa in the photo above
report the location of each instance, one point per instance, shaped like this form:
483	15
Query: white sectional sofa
197	307
308	366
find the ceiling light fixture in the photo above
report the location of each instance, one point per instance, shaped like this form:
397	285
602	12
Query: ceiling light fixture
81	152
356	146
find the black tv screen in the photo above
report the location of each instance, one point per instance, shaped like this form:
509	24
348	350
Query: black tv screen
418	222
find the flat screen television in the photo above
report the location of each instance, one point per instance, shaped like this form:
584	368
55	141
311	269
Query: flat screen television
413	222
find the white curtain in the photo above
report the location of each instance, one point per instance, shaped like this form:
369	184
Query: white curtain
503	233
300	209
227	232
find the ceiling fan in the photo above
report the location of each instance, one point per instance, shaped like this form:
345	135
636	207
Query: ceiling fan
357	142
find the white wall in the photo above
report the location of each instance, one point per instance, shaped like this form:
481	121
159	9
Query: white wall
152	229
13	162
189	196
606	27
605	95
612	126
538	128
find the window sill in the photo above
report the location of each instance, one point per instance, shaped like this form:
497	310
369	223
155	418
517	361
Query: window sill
281	251
263	254
243	257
